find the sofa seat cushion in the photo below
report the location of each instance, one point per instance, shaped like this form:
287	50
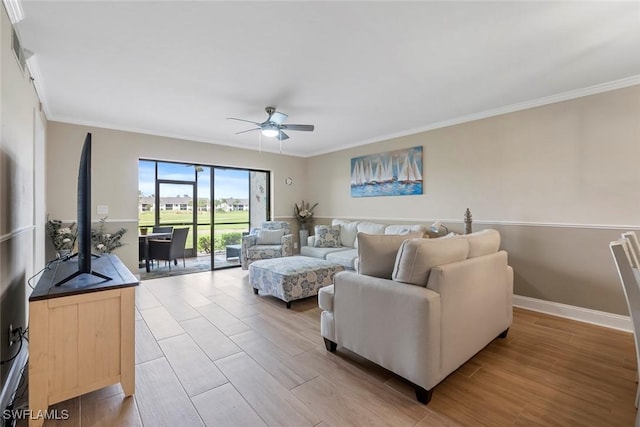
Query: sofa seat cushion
416	257
345	258
325	298
312	251
377	252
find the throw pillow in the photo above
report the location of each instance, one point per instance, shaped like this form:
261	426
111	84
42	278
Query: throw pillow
327	236
416	257
377	252
270	237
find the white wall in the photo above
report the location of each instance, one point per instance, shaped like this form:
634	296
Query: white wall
18	162
115	157
573	164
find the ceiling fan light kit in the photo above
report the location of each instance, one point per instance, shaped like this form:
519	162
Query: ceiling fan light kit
270	131
273	126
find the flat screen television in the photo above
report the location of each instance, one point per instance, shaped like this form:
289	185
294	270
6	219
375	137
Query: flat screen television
84	216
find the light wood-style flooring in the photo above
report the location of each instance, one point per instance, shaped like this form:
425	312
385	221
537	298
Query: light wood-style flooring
210	352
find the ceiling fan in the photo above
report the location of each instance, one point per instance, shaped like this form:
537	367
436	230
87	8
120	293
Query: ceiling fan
274	125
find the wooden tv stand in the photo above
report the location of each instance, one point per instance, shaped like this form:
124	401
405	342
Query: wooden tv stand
81	334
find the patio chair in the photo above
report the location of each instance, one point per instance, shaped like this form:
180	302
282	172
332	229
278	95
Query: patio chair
170	250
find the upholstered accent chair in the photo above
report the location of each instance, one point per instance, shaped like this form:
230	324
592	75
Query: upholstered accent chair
272	240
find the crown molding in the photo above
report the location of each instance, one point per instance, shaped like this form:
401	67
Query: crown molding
547	100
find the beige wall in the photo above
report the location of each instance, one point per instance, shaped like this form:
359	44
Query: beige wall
570	167
558	181
18	110
115	173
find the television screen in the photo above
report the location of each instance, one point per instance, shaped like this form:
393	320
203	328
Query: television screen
84	216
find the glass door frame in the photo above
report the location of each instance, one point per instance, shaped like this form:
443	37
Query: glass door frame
213	212
194	217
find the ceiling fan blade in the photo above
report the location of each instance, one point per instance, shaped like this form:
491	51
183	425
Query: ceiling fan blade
248	130
282	136
243	120
298	127
277	117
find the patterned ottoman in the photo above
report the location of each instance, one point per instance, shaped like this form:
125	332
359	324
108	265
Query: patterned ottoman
291	278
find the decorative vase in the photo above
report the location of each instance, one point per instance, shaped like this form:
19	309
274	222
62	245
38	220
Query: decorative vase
304	234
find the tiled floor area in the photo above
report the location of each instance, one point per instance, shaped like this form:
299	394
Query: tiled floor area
210	352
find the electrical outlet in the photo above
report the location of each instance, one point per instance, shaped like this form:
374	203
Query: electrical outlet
102	209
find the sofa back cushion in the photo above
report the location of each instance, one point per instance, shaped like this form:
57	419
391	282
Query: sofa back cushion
327	236
404	229
482	242
416	257
377	253
370	228
348	232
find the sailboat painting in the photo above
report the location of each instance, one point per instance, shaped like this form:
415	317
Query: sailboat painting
394	173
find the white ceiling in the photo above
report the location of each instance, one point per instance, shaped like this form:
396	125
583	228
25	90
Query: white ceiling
360	71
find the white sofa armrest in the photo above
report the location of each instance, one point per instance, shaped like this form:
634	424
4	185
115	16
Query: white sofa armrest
376	317
311	240
476	297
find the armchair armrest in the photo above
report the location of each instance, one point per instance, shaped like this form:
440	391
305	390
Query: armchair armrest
247	241
476	296
287	245
375	317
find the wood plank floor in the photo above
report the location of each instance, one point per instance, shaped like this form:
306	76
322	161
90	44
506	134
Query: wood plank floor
210	352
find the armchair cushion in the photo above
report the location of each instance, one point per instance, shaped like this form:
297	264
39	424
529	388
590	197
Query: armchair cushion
270	237
327	236
416	257
377	252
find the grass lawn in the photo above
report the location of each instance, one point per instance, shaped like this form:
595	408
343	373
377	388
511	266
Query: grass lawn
238	222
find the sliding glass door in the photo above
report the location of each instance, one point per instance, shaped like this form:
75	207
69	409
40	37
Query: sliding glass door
217	204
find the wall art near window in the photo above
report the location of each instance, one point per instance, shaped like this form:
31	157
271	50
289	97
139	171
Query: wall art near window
394	173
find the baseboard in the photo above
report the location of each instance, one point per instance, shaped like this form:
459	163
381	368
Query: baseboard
595	317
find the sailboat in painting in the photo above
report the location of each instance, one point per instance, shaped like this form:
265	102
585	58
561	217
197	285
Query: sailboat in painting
395	173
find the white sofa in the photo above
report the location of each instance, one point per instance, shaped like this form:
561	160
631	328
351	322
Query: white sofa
444	301
347	253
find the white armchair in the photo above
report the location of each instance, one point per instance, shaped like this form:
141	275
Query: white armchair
272	240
